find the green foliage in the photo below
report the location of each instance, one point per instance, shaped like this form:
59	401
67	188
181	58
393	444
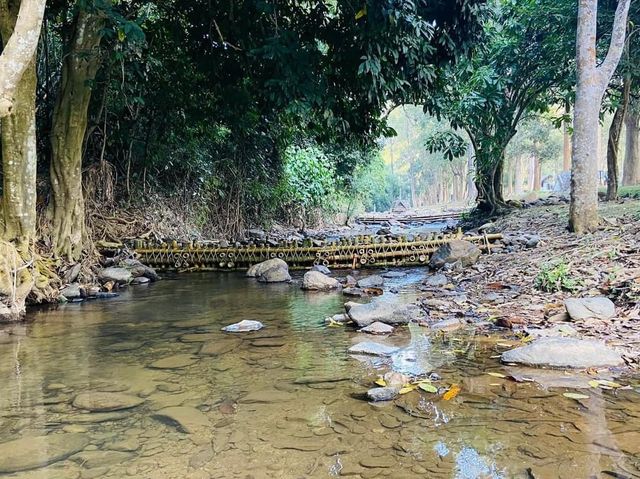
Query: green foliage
449	143
556	276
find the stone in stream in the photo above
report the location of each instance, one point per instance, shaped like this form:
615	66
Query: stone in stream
564	353
117	275
266	396
96	401
124	346
96	459
447	325
268	342
140	280
452	252
71	291
355	292
217	348
321	268
199	337
34	452
187	419
388	313
586	308
177	361
244	326
372	349
373	281
394	274
317	281
377	328
96	417
387	393
436	280
272	270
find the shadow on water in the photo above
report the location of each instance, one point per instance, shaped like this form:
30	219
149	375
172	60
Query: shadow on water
283	402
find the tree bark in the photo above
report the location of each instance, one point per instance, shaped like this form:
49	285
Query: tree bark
631	168
592	82
69	126
19	49
614	139
19	156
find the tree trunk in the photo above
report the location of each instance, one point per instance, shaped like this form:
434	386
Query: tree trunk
614	139
19	49
537	174
566	147
518	175
592	81
67	135
19	156
631	168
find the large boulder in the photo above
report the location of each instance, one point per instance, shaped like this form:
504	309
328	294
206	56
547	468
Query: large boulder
117	275
138	269
322	268
457	250
257	269
276	274
587	308
557	352
317	281
388	313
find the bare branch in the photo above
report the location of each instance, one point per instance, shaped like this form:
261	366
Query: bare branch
610	63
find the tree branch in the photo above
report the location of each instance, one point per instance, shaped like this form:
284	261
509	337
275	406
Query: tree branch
618	33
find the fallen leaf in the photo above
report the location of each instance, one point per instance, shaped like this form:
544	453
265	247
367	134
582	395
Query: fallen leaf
575	396
496	375
453	391
407	388
430	388
381	382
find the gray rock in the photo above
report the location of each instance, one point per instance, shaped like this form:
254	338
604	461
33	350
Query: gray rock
374	281
186	419
586	308
33	452
372	349
366	314
562	330
177	361
394	274
96	401
317	281
244	326
71	291
457	250
436	280
277	274
383	394
354	292
564	353
117	275
257	269
447	325
377	328
321	268
532	241
141	280
256	234
137	269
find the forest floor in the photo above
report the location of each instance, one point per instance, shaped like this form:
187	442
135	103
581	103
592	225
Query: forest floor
523	288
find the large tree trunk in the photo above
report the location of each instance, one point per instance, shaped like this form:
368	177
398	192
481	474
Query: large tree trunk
19	158
19	49
614	139
631	168
592	81
69	126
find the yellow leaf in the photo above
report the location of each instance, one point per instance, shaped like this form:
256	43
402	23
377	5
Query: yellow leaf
121	35
407	388
430	388
594	383
495	384
361	13
611	384
575	396
381	382
451	393
335	324
496	375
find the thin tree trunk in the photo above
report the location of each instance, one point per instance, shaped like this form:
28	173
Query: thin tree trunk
518	175
566	147
67	135
592	82
537	174
19	49
614	139
631	168
19	156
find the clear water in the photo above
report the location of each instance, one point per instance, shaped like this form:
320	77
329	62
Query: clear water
287	401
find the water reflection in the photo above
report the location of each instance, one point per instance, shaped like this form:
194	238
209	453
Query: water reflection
284	402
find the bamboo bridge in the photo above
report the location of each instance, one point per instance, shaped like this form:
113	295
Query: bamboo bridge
349	252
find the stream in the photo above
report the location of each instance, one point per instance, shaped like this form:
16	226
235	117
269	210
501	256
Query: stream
283	402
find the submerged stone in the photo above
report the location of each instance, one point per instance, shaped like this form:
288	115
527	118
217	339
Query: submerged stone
34	452
382	394
186	419
177	361
373	349
560	352
244	326
217	348
104	402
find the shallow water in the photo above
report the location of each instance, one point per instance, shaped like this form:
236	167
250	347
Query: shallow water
287	401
